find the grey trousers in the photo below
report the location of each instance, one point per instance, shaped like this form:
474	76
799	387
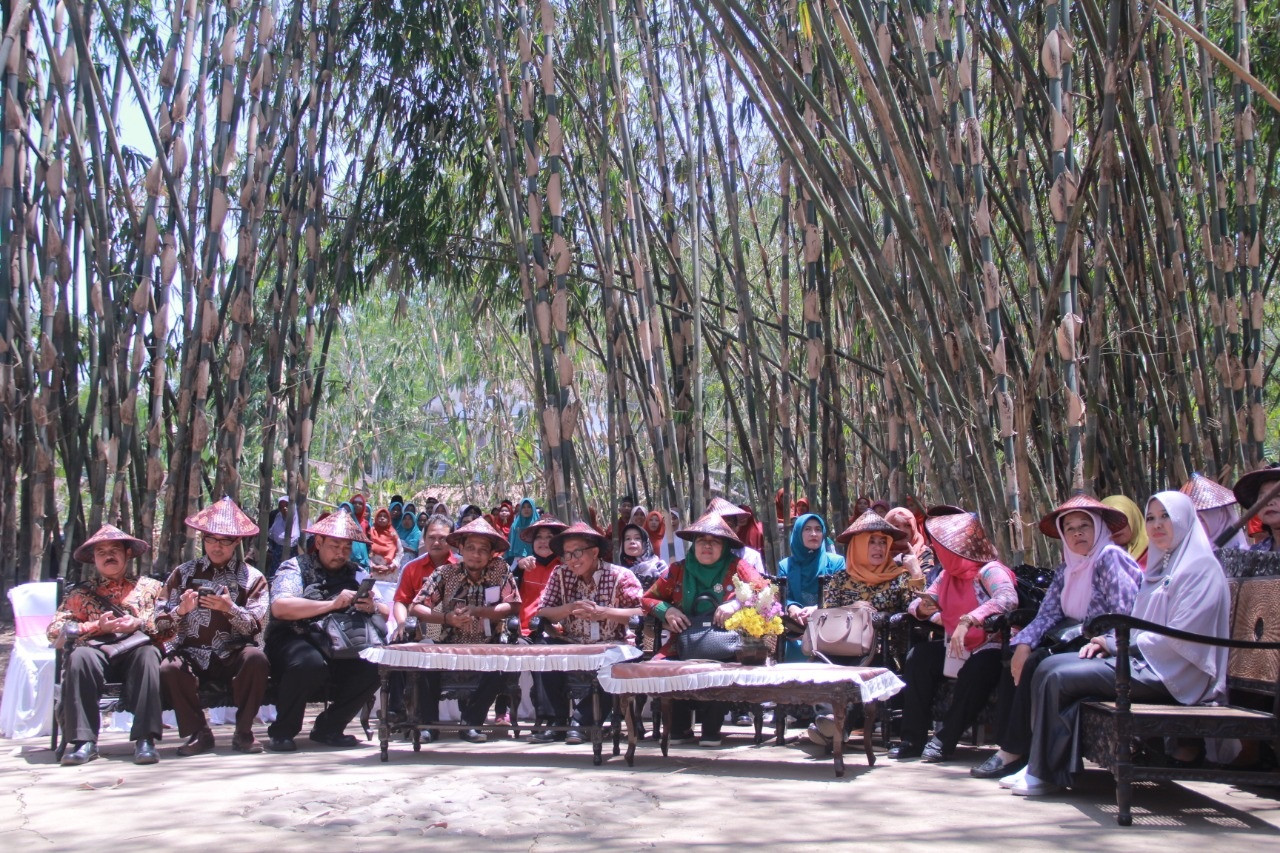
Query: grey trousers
1059	685
88	671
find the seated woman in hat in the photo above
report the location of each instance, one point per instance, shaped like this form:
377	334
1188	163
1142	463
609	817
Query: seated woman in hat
973	585
109	609
1216	508
1184	588
872	575
591	600
1248	489
707	571
1097	576
215	633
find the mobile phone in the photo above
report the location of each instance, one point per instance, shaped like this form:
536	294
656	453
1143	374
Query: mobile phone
205	587
366	587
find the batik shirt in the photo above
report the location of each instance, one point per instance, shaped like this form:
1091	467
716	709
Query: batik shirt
450	586
609	586
204	633
1115	586
893	596
134	596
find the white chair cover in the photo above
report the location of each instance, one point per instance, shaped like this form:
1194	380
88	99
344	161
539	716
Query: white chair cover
27	707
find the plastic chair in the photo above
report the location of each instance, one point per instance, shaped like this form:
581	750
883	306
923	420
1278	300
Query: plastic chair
26	710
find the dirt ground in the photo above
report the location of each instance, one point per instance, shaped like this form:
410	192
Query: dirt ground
507	795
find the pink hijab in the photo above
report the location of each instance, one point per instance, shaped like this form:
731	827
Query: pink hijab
1077	581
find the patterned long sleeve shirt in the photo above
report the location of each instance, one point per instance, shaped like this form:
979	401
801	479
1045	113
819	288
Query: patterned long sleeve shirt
995	591
1114	589
609	586
450	586
205	633
134	596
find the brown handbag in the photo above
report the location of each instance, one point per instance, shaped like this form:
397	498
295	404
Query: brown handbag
841	631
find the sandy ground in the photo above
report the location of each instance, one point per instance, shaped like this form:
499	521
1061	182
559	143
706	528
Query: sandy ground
507	795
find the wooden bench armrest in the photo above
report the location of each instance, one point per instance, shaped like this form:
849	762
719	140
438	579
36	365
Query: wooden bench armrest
1121	622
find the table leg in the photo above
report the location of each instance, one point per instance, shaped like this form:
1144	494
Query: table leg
615	723
597	733
869	714
758	717
631	730
779	724
384	725
837	742
666	725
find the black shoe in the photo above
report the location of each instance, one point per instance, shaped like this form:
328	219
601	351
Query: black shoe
905	750
474	736
934	751
83	753
145	752
543	736
337	739
573	737
281	744
994	768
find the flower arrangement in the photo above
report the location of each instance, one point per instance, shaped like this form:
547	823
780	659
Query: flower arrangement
759	613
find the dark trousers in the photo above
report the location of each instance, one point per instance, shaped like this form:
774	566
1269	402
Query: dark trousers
710	713
300	671
1013	706
475	708
89	670
555	687
245	671
923	674
1059	685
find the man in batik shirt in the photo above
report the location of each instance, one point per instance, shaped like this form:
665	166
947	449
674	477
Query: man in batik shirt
211	614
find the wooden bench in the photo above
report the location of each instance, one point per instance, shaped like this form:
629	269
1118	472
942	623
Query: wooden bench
1109	729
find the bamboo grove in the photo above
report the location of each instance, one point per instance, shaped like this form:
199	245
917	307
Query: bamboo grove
978	252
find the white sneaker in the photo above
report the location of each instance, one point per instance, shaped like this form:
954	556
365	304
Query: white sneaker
1030	786
1014	779
815	734
827	725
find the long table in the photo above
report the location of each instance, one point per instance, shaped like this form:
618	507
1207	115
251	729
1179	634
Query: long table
793	683
448	658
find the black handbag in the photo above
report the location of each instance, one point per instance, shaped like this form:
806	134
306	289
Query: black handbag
1066	635
114	645
344	634
703	641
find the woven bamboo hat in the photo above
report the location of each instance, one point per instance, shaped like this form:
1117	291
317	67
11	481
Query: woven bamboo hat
1248	487
1206	494
545	522
223	518
339	525
724	509
962	534
110	533
939	510
870	522
711	524
1112	517
479	527
577	530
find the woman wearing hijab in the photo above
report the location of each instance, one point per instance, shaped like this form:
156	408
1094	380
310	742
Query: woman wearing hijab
809	561
638	515
1097	576
526	515
1133	537
913	543
655	527
360	509
1217	509
385	546
708	569
410	535
637	555
1248	489
359	550
470	513
1184	588
973	585
872	575
749	530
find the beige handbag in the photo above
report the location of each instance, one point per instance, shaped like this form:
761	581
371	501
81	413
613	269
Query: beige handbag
842	631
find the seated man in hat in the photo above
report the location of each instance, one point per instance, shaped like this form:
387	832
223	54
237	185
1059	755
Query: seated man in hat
303	591
470	599
592	600
211	614
109	620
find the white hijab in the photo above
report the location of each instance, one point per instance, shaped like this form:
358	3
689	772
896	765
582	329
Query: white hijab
1185	588
1077	579
1219	519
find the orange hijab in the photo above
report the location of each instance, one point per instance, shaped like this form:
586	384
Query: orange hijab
857	561
383	540
656	536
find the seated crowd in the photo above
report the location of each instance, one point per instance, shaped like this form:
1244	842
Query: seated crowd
459	580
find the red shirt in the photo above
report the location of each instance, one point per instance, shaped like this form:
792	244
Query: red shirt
533	579
415	573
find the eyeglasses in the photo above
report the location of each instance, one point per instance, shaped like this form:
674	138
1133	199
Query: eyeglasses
225	541
579	553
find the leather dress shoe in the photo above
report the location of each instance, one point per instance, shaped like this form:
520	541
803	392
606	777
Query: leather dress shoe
245	742
337	739
543	736
934	751
474	736
145	752
994	768
201	741
82	754
574	737
281	744
905	750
